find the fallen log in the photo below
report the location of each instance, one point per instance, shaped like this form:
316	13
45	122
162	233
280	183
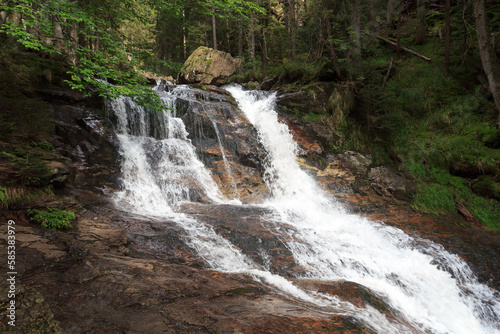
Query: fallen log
403	48
467	214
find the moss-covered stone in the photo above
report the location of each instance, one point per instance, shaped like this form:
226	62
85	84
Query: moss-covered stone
208	66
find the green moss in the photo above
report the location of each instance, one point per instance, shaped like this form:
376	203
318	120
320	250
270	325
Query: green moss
434	198
312	117
207	65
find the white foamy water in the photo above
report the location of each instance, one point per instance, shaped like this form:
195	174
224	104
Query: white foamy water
434	290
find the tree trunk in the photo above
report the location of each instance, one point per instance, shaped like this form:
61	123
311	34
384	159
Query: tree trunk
3	17
399	35
58	36
292	27
228	37
82	38
74	41
336	66
356	28
240	40
488	56
372	13
402	48
447	36
184	36
421	32
391	10
251	40
265	57
214	28
240	46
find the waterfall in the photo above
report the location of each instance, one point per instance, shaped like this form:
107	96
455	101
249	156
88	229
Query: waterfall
433	290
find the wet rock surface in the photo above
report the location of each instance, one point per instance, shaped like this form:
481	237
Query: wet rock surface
225	141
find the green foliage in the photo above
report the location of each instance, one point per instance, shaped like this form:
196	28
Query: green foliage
312	117
99	52
18	196
22	115
290	71
434	198
440	197
30	170
44	145
2	194
52	218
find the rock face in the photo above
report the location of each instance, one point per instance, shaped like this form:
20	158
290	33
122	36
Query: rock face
386	182
225	141
208	66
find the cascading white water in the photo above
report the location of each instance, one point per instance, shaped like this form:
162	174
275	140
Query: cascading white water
434	290
150	142
157	158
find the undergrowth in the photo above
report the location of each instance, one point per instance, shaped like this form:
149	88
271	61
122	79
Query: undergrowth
440	129
52	218
12	197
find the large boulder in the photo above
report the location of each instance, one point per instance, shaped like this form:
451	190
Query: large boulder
208	66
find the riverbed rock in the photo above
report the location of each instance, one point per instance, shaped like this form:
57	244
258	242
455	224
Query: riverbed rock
209	66
387	182
58	173
92	147
308	145
357	162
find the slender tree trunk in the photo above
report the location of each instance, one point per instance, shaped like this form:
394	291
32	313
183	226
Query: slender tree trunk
96	43
372	11
264	49
251	40
240	45
488	56
82	39
336	66
291	27
399	34
74	41
58	37
228	37
421	32
184	36
356	28
240	40
3	16
214	27
447	36
391	10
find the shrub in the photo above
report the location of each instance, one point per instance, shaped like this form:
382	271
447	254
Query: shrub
17	197
52	218
30	170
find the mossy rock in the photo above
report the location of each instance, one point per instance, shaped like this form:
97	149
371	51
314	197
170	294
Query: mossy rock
208	66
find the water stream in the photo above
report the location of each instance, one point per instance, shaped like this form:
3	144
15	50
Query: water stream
433	290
